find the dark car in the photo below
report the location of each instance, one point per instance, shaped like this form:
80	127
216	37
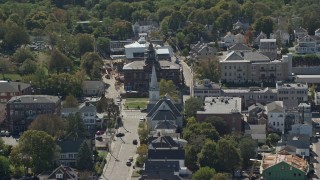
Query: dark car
135	142
128	163
99	133
119	135
143	110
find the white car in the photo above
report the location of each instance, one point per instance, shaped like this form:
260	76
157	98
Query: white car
317	135
142	119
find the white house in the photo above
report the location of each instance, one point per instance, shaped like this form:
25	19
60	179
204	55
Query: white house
260	36
229	39
308	44
144	26
281	35
93	88
300	32
276	115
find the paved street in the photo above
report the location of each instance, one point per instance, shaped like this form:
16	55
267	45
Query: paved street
10	141
122	148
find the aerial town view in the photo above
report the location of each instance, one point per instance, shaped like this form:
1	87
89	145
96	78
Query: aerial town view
159	89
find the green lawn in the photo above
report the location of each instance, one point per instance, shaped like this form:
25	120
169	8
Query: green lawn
136	102
103	154
12	77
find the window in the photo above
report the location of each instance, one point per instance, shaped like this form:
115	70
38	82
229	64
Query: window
70	156
274	123
277	123
59	175
3	94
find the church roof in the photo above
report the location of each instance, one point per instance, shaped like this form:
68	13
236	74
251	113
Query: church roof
174	109
165	125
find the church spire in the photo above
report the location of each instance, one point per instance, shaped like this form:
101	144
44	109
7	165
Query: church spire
154	91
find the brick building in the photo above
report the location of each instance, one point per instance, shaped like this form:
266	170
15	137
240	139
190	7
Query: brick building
137	74
22	110
10	89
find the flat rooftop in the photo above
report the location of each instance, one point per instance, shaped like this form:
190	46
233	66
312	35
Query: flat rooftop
291	85
268	40
221	105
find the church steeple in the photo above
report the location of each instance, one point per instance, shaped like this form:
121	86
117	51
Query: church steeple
154	91
151	55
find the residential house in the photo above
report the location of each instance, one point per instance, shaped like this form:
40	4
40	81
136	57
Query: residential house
137	73
240	26
228	108
295	144
229	40
22	110
165	160
241	67
69	151
305	112
144	27
256	111
291	91
60	173
256	41
93	88
300	32
301	129
202	51
9	89
239	38
88	113
268	47
308	45
256	131
282	36
283	166
276	116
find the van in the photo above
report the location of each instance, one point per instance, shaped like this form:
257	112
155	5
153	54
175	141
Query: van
317	125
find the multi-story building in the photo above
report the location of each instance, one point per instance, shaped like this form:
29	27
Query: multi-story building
228	108
308	45
276	116
268	47
137	73
9	89
292	91
22	110
206	89
240	67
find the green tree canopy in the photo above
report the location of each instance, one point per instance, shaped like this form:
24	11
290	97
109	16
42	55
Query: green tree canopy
272	139
22	54
39	148
209	69
59	62
103	45
247	148
28	67
203	128
4	168
85	43
228	156
220	124
264	24
15	37
122	29
204	173
52	124
208	155
168	87
75	127
85	157
70	101
91	63
191	106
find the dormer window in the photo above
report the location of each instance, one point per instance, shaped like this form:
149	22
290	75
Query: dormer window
59	176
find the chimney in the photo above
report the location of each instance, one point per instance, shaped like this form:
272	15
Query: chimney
159	134
19	88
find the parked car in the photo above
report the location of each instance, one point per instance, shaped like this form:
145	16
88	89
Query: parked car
128	163
142	119
135	142
99	133
3	133
143	110
119	135
130	158
317	135
7	133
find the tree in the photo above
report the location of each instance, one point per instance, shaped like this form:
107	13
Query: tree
28	67
59	62
4	168
91	63
85	43
122	29
70	101
220	124
204	173
75	127
38	148
168	87
84	157
192	105
221	176
15	37
192	149
143	132
142	150
247	148
121	10
228	156
22	54
272	139
103	45
208	155
264	24
52	124
209	69
203	128
176	20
